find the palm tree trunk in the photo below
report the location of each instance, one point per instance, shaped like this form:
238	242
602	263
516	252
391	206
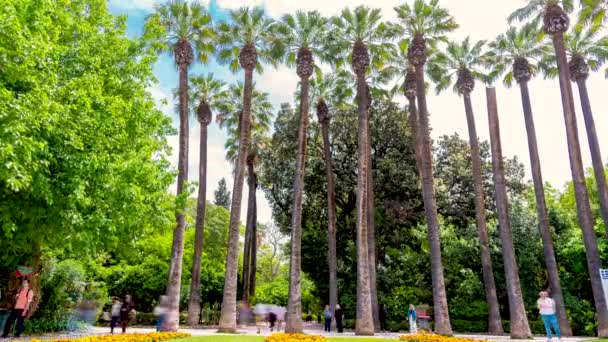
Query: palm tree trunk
543	219
294	302
413	122
364	324
177	249
331	219
194	303
594	147
494	322
254	242
249	228
519	322
440	301
228	316
371	239
580	188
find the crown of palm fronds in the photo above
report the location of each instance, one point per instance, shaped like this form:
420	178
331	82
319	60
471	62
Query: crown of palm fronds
535	11
248	26
364	25
302	30
446	66
180	20
425	18
524	43
592	13
585	44
335	88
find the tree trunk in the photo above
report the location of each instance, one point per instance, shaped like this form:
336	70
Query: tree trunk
543	219
494	321
517	312
249	231
228	316
331	218
413	122
253	252
194	303
177	249
294	302
371	238
594	147
440	302
580	188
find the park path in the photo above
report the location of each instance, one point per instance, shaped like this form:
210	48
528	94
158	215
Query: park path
316	331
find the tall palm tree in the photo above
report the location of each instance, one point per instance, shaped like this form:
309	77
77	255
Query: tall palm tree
425	22
518	55
587	51
302	35
244	41
176	26
209	92
329	91
461	65
555	22
261	117
363	31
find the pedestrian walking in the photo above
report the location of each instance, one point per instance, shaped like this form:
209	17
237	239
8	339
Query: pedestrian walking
546	306
411	317
338	314
160	311
115	314
382	316
327	315
127	311
23	299
272	319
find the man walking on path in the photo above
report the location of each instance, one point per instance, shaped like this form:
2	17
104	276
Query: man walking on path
546	306
23	299
327	315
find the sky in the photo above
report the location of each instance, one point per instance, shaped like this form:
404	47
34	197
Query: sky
479	19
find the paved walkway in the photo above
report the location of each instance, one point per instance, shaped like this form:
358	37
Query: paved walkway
316	331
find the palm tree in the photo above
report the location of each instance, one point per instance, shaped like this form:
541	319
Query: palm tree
426	22
244	41
329	91
587	51
210	93
176	26
555	22
261	117
460	65
518	54
594	13
364	31
302	34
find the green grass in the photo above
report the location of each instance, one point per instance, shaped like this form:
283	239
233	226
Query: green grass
236	338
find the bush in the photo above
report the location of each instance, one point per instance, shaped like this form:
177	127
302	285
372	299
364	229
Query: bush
469	326
397	325
42	326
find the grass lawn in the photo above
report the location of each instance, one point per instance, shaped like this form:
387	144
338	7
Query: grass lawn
237	338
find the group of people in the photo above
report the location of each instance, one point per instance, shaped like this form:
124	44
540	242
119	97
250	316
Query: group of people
337	315
122	312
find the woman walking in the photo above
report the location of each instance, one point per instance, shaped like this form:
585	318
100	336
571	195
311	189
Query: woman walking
546	306
338	315
411	316
125	312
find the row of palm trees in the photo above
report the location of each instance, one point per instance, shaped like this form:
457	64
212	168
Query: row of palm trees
249	40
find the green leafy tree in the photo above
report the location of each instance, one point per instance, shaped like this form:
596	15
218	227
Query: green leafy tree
461	65
518	55
302	35
363	31
424	22
222	195
184	30
209	93
553	15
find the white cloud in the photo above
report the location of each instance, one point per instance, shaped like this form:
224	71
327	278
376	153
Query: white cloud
233	4
134	4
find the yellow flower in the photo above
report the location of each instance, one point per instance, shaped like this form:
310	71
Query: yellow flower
294	338
152	337
435	338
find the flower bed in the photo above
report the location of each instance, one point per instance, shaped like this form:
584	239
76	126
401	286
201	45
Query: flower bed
294	338
152	337
435	338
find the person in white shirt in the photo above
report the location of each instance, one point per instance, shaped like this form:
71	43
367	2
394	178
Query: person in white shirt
546	306
115	312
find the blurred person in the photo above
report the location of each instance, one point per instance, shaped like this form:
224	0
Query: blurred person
338	314
272	319
23	300
411	316
160	311
280	318
546	306
327	315
115	314
127	309
382	315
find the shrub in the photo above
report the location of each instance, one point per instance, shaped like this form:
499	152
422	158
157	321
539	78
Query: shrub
43	326
469	326
294	338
